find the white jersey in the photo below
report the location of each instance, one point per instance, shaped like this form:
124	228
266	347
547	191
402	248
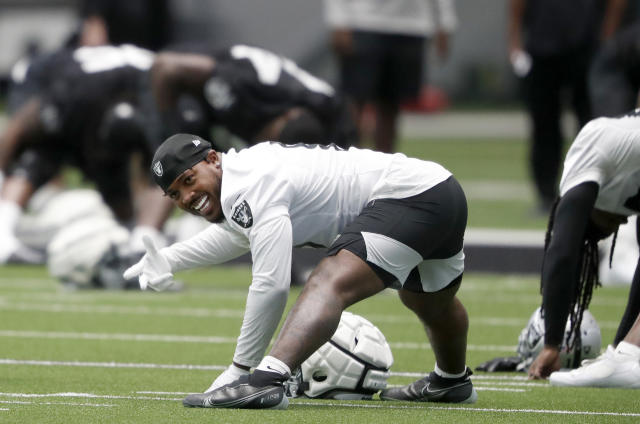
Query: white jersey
275	197
607	152
411	17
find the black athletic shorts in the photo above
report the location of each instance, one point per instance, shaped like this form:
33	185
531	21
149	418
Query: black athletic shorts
37	164
385	67
414	243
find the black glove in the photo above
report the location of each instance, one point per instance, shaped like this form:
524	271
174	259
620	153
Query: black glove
508	363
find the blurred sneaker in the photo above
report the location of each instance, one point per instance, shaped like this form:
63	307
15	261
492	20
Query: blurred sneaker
434	388
614	368
240	394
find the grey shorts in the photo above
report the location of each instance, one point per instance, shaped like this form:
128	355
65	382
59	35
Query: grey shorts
414	243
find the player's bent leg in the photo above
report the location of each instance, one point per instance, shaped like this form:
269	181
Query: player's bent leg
446	323
337	282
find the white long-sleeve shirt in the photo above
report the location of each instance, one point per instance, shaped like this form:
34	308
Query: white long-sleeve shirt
410	17
607	152
275	197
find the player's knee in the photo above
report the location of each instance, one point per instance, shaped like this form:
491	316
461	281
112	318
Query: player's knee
327	280
434	306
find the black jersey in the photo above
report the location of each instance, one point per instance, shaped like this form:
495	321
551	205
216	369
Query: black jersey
27	79
250	86
79	86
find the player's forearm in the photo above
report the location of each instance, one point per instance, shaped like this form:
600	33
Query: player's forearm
560	266
612	17
558	284
173	74
211	246
514	27
262	314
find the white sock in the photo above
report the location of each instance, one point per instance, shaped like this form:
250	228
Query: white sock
271	364
628	349
10	213
445	374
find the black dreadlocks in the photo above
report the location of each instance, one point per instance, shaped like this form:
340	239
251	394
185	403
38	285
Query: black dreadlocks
587	277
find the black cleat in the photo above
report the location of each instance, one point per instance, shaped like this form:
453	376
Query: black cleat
242	395
434	388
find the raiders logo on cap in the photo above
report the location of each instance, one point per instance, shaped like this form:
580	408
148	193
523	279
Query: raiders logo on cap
242	215
157	168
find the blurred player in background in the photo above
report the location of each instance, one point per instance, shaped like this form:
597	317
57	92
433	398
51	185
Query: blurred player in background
614	79
551	45
253	93
90	108
599	189
381	50
143	23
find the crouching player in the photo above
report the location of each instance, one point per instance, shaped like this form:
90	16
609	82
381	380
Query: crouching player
387	220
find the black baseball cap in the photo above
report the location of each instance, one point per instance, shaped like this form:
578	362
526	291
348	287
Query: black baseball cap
175	155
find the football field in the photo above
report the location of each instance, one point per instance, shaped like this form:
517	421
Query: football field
101	356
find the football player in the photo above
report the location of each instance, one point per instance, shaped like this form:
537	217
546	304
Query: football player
614	78
253	93
388	221
599	189
84	107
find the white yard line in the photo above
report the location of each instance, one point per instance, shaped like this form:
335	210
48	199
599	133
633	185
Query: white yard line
471	347
495	380
148	392
486	388
170	338
453	408
124	310
24	402
296	402
7	361
82	395
5	304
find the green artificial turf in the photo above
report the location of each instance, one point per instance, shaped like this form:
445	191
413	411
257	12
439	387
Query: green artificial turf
93	356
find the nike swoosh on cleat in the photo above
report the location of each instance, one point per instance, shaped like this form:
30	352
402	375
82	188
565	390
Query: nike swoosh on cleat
207	402
427	389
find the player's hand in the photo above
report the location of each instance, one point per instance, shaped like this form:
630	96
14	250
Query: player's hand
521	62
547	362
153	270
231	374
8	246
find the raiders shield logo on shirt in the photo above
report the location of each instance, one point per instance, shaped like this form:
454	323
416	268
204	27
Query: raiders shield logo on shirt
242	215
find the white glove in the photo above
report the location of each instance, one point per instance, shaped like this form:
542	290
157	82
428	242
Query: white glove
153	270
231	374
8	247
10	213
521	63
